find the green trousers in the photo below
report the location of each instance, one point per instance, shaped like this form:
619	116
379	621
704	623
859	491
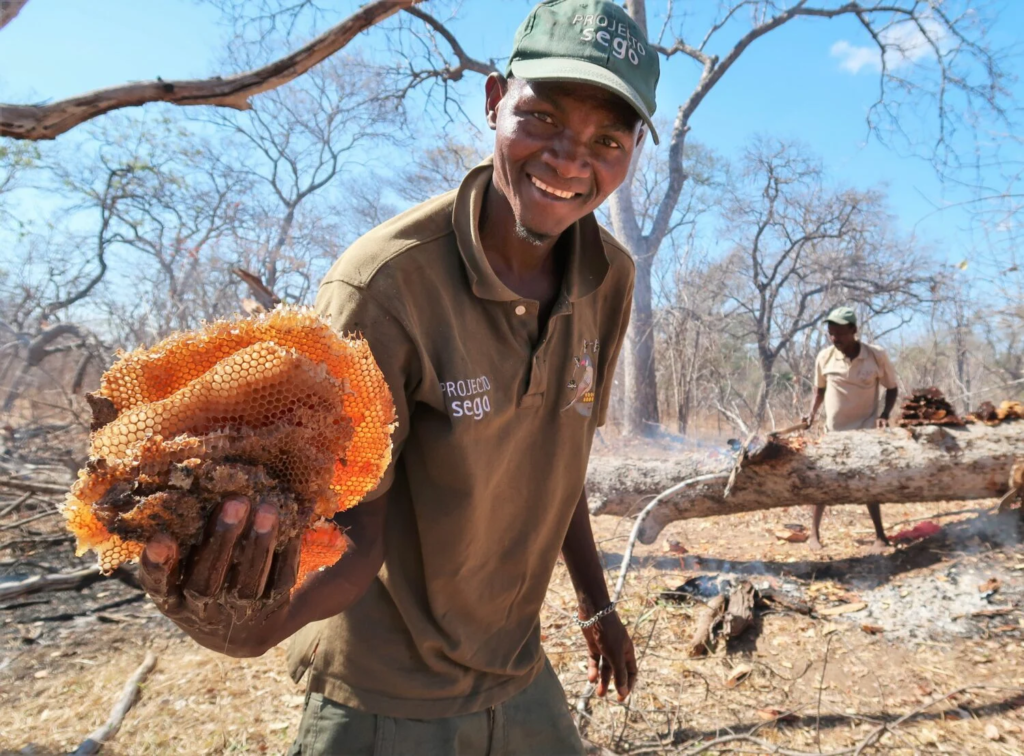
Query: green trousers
534	722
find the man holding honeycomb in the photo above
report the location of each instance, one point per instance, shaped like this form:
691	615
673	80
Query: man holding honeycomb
496	313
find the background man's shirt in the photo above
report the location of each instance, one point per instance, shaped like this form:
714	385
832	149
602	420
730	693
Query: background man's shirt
851	386
495	422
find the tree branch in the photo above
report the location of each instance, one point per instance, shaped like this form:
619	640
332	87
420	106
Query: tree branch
9	9
34	122
466	63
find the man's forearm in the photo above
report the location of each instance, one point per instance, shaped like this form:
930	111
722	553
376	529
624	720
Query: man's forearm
336	588
890	402
819	398
583	562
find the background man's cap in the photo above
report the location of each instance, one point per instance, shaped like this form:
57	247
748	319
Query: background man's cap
842	316
591	41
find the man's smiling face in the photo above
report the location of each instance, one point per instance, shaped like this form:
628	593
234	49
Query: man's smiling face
560	149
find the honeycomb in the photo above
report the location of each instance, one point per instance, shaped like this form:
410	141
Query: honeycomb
277	407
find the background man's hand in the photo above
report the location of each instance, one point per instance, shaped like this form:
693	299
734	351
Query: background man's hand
609	641
882	422
807	420
232	591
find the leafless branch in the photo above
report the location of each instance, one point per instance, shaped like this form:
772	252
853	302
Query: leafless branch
9	9
94	743
36	122
466	63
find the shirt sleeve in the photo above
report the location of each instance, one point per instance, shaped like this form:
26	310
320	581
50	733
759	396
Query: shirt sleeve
819	370
354	310
886	372
613	359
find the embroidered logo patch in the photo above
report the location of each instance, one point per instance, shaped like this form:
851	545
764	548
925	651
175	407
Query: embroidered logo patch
468	398
581	381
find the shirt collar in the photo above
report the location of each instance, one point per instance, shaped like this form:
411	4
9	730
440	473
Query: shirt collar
587	265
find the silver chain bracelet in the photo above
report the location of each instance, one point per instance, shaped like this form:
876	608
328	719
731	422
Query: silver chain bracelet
584	624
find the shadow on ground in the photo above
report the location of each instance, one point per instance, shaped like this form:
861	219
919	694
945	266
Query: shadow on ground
958	539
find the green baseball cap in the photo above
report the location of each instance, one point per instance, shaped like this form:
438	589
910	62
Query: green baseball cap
590	41
842	316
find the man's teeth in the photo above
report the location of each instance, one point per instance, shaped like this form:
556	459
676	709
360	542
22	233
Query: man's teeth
550	189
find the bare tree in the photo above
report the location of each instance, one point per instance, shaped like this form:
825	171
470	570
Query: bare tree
296	145
174	250
16	160
678	311
440	169
135	204
800	247
950	65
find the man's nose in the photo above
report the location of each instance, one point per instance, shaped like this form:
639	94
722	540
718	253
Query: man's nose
568	157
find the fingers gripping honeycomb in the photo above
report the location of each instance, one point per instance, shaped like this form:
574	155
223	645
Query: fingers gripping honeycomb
277	407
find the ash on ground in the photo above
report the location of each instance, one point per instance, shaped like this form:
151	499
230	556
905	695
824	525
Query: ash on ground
966	581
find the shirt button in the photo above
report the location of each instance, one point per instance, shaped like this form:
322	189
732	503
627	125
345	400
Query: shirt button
520	310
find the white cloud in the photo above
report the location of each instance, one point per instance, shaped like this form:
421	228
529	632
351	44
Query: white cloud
905	44
853	58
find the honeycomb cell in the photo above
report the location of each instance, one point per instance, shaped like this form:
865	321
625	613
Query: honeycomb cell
277	407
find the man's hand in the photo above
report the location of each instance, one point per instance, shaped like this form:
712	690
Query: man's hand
882	422
231	595
807	420
611	652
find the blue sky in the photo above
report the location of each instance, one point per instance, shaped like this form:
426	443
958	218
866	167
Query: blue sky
788	84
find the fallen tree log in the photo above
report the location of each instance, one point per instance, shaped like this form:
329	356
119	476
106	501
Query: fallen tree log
924	463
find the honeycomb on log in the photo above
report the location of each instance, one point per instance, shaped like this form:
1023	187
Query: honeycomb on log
927	406
989	414
277	407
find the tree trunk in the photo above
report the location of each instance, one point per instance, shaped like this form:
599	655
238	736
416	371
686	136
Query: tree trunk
927	463
641	376
767	361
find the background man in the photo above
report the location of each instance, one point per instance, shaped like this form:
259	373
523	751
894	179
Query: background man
496	312
847	375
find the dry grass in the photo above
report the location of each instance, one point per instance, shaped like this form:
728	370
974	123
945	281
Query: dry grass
59	687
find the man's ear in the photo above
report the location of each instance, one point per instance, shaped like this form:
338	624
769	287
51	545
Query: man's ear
640	134
495	90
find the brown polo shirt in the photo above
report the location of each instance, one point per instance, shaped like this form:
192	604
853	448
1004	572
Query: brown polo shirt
495	424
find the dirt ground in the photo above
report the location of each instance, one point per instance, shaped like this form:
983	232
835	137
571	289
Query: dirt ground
930	663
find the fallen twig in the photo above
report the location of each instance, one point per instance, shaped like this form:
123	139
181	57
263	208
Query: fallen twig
627	557
62	581
38	540
14	506
27	520
21	485
95	611
821	686
96	739
856	750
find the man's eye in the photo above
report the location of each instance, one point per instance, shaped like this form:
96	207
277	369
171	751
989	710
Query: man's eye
543	117
609	142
